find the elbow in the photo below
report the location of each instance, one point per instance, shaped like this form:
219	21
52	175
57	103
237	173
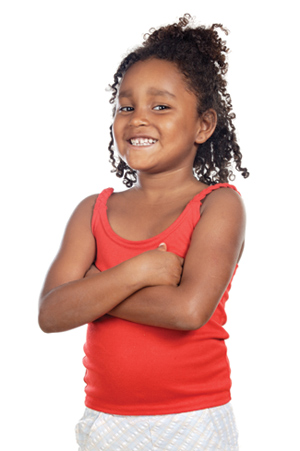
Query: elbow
48	327
192	322
194	317
46	320
44	327
44	323
43	316
49	319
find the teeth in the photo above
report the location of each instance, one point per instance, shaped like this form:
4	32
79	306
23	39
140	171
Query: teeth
142	141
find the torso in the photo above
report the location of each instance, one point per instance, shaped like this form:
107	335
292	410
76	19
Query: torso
134	217
135	369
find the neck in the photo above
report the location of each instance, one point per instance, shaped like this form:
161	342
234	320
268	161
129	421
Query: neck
165	184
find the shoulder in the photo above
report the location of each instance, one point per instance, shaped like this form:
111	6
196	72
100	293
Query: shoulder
220	232
88	201
81	217
86	206
223	217
223	199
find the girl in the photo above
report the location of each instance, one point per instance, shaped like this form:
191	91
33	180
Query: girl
142	270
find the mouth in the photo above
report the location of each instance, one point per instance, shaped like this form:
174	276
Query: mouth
142	141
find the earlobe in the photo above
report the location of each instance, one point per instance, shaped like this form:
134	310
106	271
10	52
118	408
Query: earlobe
208	123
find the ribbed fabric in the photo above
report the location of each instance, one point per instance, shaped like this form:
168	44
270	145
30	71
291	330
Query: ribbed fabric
133	369
204	430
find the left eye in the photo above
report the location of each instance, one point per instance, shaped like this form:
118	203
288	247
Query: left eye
126	109
160	107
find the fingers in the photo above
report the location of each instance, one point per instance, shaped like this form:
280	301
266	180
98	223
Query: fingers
181	260
162	247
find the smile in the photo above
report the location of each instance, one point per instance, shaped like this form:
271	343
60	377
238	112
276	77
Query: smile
142	141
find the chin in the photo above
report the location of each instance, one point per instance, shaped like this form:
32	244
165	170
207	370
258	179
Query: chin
139	165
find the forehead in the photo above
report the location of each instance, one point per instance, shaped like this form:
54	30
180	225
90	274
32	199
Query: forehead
156	76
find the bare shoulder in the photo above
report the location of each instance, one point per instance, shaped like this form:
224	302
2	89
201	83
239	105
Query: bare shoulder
82	214
78	231
222	201
86	205
223	221
90	200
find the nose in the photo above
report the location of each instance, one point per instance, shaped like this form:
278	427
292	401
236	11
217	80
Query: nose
139	117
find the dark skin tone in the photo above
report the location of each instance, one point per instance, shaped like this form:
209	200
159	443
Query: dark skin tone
157	131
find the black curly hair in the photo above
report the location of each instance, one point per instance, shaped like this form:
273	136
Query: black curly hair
200	55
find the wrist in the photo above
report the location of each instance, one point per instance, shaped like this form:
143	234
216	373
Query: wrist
134	274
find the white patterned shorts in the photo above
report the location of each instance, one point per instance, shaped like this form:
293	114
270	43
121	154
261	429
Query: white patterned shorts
202	430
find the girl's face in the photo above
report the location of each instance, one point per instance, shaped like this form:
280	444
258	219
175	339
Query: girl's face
156	126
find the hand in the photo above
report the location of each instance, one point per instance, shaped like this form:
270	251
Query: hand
155	267
159	267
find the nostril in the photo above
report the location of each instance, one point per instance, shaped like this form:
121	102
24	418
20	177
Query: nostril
138	119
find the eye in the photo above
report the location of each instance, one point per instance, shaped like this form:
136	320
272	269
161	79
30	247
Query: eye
125	109
160	107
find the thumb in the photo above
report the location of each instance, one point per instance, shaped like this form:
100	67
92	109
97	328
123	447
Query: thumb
162	246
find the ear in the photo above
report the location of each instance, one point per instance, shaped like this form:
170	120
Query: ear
207	125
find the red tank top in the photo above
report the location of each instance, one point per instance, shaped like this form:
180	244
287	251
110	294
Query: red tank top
133	369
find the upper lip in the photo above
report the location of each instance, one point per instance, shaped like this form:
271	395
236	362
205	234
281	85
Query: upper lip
139	135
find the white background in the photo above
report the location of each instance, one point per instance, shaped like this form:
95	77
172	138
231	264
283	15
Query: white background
57	58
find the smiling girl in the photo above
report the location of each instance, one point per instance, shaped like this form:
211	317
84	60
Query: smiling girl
149	269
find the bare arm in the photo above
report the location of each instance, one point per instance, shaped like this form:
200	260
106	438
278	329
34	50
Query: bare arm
69	300
215	249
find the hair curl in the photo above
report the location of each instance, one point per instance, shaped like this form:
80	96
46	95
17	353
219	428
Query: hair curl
200	55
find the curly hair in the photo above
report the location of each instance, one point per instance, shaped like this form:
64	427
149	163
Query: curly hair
200	55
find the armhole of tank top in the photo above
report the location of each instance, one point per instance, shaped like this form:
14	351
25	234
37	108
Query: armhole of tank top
94	218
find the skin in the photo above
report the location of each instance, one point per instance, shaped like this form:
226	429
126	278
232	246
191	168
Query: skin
153	288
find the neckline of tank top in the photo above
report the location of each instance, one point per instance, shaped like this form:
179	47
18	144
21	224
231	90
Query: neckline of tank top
198	197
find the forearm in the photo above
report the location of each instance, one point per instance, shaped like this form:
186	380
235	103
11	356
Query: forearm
161	306
79	297
82	301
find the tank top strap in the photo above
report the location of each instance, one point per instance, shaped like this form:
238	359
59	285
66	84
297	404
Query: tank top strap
100	206
103	196
101	200
202	195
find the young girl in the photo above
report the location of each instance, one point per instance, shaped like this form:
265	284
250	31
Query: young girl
149	269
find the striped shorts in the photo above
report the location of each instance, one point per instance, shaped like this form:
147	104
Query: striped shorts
202	430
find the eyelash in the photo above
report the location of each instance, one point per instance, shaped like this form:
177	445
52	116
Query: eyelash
161	107
127	109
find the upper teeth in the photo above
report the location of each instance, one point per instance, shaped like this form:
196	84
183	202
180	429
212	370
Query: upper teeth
142	141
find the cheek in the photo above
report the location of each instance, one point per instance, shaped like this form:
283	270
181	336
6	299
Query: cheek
115	128
119	143
116	133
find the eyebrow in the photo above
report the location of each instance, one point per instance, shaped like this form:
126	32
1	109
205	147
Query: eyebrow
151	91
